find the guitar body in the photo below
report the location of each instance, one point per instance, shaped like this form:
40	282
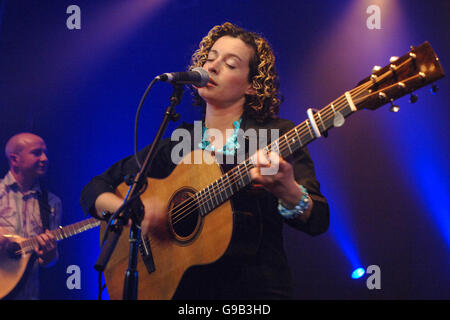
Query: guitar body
203	241
13	270
18	259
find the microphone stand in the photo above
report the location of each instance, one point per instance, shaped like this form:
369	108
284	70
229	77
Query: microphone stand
134	208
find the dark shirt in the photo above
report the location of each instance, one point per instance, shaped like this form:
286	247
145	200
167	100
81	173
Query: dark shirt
263	274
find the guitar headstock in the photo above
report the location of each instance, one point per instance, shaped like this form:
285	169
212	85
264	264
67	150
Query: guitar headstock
402	76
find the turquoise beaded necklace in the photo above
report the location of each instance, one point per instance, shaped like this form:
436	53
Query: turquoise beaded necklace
230	146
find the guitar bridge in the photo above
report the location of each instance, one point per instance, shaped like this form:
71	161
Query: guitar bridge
146	253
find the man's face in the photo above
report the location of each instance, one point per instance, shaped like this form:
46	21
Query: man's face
32	159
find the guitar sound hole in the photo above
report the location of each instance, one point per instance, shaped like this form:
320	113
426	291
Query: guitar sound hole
184	218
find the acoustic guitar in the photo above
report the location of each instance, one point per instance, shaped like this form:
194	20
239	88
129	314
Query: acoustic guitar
18	259
202	226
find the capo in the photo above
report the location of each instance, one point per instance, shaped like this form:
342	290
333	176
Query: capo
310	112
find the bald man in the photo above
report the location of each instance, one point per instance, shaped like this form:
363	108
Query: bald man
25	207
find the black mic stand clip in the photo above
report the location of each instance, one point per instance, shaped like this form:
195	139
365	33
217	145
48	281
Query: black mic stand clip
133	208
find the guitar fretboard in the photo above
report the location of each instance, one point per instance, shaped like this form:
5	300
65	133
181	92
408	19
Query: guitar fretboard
61	233
239	177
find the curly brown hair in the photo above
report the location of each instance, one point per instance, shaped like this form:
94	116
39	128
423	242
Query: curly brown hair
263	105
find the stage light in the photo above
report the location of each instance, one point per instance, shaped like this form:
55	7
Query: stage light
358	273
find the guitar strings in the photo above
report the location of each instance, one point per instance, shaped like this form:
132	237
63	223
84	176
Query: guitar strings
191	203
356	91
177	211
236	176
29	244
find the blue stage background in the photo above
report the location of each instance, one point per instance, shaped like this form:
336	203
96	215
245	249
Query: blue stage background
386	175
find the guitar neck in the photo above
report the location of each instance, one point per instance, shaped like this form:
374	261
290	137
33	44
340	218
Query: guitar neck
315	126
402	76
61	233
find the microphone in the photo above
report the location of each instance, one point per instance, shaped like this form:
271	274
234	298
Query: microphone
198	77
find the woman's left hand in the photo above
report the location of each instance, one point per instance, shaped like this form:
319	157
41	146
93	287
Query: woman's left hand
277	177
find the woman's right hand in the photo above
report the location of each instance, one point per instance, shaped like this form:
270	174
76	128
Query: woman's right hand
155	221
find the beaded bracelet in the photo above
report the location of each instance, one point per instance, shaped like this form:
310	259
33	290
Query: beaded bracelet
299	209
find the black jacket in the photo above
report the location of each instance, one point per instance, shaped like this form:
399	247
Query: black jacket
265	273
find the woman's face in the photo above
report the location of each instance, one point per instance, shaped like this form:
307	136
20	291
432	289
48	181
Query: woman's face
228	67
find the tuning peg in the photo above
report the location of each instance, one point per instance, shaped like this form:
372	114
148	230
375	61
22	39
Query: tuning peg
434	88
382	96
393	59
375	69
413	98
394	107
